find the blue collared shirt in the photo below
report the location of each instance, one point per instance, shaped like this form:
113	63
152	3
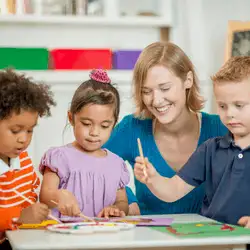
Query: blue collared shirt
225	169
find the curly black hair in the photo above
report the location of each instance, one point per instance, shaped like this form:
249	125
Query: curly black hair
18	92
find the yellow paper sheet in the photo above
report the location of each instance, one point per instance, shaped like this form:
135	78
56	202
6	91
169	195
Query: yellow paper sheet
44	224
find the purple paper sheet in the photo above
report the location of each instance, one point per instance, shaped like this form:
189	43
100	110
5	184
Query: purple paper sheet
143	221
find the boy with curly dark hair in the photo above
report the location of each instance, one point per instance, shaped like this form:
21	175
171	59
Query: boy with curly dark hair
22	101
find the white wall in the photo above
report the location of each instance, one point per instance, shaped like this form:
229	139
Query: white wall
216	15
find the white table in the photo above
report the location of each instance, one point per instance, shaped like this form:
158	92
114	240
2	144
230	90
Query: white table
138	238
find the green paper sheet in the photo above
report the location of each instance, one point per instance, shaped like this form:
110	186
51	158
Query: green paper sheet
203	229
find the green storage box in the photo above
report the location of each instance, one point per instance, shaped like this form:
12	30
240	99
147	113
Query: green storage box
24	58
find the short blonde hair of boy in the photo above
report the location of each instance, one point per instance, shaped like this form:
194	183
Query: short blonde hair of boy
172	57
236	69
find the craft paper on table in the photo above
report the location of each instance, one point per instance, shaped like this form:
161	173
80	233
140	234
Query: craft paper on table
205	229
145	221
149	221
42	225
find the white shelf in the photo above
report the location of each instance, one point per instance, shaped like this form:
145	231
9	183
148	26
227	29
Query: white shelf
86	20
74	76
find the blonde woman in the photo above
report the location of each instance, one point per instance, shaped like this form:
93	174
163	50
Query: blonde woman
169	122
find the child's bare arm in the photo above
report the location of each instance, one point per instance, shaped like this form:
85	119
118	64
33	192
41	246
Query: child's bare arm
166	189
119	208
134	209
64	200
169	189
191	175
49	188
121	201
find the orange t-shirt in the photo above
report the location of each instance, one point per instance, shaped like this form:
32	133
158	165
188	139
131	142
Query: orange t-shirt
20	176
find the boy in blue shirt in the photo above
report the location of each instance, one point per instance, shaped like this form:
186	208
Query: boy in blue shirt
223	163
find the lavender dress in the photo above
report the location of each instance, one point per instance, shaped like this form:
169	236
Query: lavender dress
94	181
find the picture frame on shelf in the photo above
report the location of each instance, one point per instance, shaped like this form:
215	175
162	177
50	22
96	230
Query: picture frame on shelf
238	39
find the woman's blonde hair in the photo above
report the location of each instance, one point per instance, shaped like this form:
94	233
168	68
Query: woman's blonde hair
172	57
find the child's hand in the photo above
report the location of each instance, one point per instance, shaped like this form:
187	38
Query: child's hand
67	203
244	221
111	211
34	214
143	173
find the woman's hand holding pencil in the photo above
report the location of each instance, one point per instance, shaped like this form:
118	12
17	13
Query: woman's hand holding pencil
143	169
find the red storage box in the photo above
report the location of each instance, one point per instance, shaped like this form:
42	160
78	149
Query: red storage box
80	59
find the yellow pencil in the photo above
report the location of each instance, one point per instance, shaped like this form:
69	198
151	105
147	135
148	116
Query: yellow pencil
142	156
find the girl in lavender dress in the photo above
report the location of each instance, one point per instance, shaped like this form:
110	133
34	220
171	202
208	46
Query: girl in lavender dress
81	177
